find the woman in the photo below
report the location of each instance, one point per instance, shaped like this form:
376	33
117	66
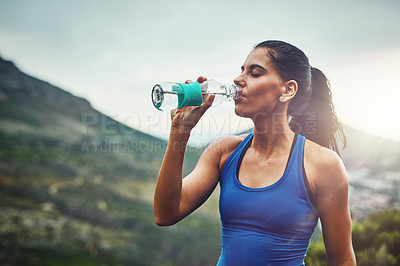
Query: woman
275	183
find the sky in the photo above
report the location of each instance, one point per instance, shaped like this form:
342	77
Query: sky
113	52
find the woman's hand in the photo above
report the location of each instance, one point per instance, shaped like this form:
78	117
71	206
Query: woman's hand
185	118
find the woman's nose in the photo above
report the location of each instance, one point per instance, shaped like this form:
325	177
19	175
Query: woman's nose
239	80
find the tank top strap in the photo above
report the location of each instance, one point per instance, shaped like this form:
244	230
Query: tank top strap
236	153
302	178
299	147
296	157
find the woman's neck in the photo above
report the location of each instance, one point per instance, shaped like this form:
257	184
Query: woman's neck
272	134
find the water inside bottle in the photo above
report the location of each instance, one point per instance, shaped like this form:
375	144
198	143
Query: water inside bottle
219	98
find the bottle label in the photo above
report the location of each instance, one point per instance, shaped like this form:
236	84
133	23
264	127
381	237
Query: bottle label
189	94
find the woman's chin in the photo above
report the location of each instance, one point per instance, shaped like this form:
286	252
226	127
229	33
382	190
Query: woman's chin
240	112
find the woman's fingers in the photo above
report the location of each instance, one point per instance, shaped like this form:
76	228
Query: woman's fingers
210	99
201	79
207	104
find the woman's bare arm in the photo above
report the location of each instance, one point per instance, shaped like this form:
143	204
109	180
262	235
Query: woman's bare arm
176	198
330	183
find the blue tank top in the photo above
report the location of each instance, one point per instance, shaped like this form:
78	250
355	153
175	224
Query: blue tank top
270	225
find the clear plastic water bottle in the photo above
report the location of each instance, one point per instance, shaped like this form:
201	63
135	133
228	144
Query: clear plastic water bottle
171	95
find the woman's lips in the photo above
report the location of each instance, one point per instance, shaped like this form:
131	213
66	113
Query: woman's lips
239	96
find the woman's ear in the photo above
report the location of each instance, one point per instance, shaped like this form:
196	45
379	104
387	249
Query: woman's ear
289	91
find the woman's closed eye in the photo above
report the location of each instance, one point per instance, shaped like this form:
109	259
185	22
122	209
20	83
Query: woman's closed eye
251	71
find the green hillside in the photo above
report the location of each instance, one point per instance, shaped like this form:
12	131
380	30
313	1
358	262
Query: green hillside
76	186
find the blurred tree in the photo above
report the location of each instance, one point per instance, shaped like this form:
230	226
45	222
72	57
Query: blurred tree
376	241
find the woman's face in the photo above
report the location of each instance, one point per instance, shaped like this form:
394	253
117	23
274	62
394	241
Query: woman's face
262	86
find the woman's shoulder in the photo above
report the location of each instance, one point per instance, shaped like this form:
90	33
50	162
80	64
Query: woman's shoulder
320	156
231	140
225	145
323	166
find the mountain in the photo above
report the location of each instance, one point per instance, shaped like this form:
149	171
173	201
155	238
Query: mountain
373	165
76	186
367	150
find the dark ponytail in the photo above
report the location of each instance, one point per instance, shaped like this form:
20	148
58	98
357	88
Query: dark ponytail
318	121
311	111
